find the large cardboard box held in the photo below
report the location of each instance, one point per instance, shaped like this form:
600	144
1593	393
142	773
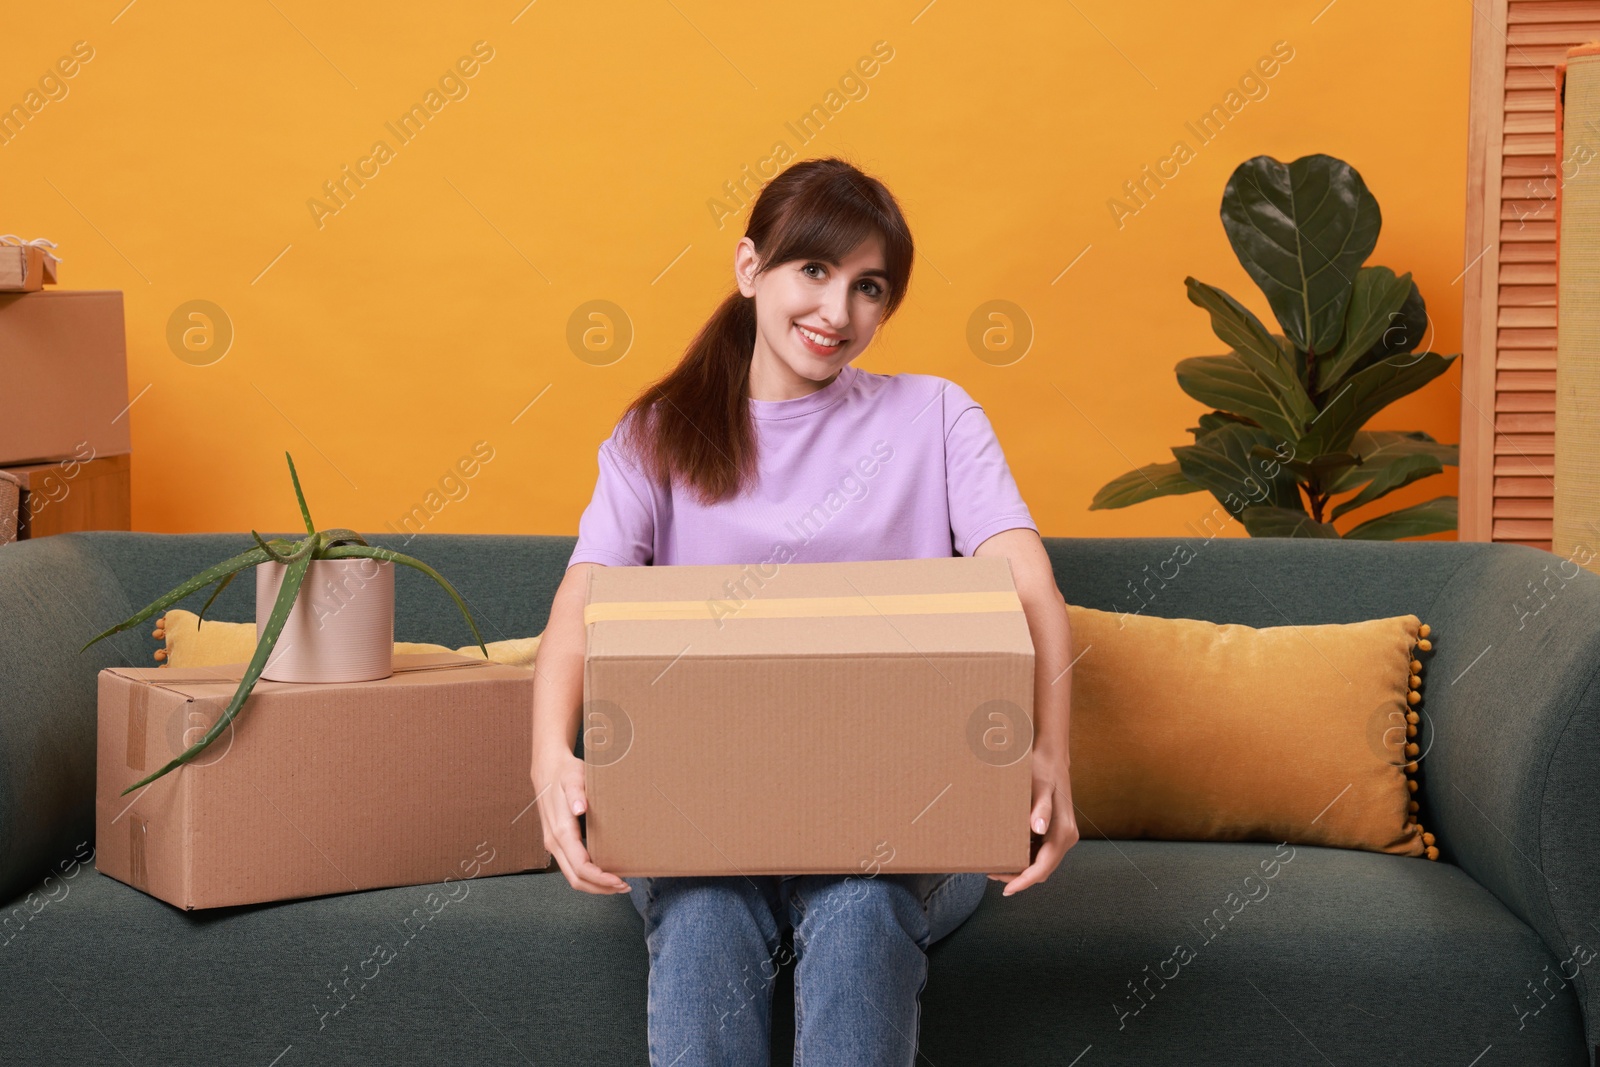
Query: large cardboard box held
833	718
316	788
63	376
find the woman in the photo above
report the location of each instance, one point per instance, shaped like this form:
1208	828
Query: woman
765	441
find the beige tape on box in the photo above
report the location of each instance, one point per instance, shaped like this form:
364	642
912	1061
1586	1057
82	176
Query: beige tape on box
138	724
805	606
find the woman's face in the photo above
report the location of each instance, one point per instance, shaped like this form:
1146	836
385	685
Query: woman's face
813	317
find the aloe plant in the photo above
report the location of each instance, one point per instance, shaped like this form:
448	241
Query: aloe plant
1285	434
298	556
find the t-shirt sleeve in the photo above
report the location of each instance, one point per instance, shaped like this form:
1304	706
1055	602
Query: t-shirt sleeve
984	499
618	527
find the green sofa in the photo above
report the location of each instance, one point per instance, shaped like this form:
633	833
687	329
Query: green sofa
1485	957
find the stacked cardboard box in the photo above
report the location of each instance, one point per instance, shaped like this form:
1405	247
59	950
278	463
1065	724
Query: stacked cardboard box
10	507
316	788
64	426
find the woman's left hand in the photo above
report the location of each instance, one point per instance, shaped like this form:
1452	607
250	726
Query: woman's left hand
1052	809
1052	818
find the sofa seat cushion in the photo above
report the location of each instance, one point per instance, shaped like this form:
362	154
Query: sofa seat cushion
1346	956
1342	954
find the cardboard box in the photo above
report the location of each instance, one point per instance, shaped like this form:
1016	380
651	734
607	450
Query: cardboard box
25	268
321	788
54	498
63	376
10	507
840	718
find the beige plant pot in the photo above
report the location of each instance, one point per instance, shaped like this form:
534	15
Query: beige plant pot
341	628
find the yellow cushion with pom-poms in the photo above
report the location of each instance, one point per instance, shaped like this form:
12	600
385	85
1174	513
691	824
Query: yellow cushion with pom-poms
1237	733
194	642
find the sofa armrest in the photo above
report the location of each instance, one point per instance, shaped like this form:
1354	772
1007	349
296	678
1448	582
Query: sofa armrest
55	594
1511	747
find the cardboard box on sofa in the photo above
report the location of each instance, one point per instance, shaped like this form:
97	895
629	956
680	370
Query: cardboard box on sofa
63	376
846	718
321	788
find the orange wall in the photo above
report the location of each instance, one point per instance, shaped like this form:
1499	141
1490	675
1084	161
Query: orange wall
379	343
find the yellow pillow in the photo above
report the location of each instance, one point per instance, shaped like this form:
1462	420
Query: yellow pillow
193	643
1190	730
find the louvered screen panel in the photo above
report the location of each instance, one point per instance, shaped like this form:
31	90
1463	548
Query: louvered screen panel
1509	336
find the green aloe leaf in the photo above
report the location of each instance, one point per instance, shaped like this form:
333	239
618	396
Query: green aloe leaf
1388	474
1302	230
227	567
1229	382
282	551
1221	463
1430	516
374	552
1284	522
214	594
1366	393
1375	305
341	536
1145	483
287	592
305	512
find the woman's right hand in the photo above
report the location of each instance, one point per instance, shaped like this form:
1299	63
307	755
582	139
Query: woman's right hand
559	786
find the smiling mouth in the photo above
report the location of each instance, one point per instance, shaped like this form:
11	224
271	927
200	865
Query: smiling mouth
818	342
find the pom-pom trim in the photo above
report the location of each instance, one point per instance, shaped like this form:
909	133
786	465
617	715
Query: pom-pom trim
1412	750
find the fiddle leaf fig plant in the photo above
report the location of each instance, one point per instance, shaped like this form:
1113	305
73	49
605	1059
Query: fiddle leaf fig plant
1285	434
298	557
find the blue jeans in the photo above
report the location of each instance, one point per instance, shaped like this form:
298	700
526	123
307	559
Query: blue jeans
715	946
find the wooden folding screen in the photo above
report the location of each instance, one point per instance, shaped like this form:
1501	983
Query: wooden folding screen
1509	303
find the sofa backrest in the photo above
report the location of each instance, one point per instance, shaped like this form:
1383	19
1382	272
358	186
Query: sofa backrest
509	580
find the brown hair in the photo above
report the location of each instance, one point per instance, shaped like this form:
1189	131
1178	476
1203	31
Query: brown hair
694	422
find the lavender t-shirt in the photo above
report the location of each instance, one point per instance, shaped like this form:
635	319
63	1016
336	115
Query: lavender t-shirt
870	466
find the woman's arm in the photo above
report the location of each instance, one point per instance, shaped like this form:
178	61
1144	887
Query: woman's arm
558	775
1052	814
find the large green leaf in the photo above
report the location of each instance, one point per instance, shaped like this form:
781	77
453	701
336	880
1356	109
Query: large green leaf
1145	483
1229	382
1284	522
1319	469
1376	446
1302	230
1221	463
1375	304
1405	331
1366	393
1259	350
1430	516
1212	419
1388	474
293	577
